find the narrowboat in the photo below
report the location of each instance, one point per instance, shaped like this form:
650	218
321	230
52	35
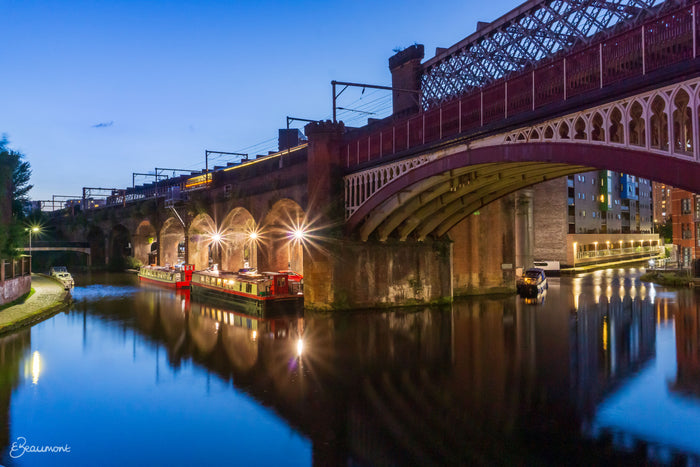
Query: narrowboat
258	294
176	277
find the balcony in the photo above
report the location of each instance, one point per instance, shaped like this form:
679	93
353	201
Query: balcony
605	253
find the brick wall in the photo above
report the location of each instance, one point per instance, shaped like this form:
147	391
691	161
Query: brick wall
12	289
551	223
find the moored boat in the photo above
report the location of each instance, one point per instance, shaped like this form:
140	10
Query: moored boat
265	293
61	274
177	277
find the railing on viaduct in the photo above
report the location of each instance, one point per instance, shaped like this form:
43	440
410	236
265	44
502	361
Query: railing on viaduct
671	39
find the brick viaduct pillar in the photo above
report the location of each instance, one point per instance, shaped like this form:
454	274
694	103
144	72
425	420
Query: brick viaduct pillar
484	250
324	208
346	272
524	229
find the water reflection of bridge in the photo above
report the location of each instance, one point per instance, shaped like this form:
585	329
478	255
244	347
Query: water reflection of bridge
430	386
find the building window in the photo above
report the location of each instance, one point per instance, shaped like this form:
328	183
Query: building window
686	232
687	255
685	206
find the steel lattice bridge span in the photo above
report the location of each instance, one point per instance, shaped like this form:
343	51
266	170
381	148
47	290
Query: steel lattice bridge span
549	89
625	99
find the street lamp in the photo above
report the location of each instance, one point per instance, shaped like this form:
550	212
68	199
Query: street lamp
33	229
296	238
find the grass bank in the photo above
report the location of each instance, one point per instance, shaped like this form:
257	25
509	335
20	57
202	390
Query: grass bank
19	301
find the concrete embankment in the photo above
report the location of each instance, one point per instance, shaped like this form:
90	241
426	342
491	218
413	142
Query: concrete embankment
49	298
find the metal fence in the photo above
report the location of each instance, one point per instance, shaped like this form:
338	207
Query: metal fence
612	252
9	269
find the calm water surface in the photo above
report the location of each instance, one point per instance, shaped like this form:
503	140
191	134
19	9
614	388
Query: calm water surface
604	367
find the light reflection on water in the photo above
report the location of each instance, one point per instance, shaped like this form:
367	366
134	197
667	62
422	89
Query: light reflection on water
490	380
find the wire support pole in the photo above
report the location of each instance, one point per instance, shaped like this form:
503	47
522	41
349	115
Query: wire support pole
347	84
295	119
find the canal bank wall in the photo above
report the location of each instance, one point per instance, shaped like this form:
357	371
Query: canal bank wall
49	298
12	289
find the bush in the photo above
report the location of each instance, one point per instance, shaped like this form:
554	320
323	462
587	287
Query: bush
668	279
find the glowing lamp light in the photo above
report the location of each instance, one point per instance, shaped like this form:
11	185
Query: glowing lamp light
300	347
298	234
253	235
216	237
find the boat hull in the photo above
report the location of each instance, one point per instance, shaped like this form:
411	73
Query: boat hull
256	306
163	283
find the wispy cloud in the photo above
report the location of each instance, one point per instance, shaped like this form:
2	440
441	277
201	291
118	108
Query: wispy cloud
103	124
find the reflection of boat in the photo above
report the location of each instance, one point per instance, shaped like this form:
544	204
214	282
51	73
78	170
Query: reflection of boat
536	299
61	274
243	336
174	277
276	328
253	292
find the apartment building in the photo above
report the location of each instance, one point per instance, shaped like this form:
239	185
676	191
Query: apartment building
686	225
661	198
594	217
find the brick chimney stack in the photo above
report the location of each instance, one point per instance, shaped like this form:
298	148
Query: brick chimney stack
405	74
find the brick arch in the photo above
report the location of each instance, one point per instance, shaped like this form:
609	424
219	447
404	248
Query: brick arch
199	238
238	247
171	235
431	198
281	249
143	238
119	244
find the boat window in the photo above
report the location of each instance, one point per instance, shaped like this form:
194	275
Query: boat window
248	288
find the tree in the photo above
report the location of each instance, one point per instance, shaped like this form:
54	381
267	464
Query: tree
666	230
14	187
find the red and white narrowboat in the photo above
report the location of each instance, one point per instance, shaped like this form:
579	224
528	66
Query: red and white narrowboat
178	277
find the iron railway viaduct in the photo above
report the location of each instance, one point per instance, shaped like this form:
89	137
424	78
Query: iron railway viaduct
434	201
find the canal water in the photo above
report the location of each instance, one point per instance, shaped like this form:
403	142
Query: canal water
603	368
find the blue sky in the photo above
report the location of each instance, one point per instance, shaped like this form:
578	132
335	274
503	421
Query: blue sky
93	91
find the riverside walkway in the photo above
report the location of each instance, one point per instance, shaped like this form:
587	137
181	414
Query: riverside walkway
48	298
